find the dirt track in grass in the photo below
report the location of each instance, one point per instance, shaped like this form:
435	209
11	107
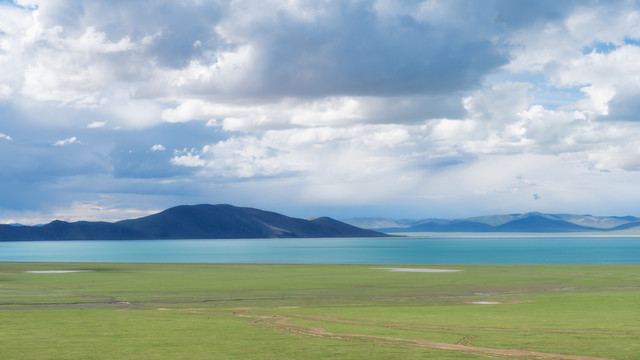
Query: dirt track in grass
280	323
402	325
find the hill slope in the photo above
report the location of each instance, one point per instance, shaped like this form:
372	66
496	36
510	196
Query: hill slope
191	222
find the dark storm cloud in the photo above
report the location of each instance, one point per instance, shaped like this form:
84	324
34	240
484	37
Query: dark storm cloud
353	50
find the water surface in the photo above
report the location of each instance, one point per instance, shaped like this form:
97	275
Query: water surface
413	250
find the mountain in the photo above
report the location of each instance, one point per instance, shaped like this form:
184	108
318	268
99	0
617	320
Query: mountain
191	222
589	221
436	225
379	222
530	222
539	223
627	226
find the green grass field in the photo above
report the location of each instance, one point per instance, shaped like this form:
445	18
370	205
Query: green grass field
253	311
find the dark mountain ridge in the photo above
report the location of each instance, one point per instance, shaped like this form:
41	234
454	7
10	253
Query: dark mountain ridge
191	222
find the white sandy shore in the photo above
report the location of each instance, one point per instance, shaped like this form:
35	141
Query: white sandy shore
55	271
418	270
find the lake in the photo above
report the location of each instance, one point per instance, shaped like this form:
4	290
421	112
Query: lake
410	250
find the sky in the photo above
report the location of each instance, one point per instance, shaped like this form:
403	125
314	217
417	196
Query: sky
404	109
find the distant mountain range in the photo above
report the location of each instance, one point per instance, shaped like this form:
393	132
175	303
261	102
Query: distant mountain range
231	222
533	222
191	222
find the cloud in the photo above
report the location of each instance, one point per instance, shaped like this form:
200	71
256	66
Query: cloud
188	158
568	51
311	51
233	47
442	106
342	160
65	142
349	154
102	209
142	163
624	155
329	111
131	154
299	61
260	52
525	15
74	70
69	61
96	124
5	91
5	136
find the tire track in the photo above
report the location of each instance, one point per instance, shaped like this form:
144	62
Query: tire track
280	324
394	324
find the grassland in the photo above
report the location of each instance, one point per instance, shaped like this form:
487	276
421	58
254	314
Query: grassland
253	311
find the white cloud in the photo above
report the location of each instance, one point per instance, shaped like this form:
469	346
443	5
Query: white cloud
188	158
132	113
96	124
92	41
195	109
65	142
349	161
500	103
285	113
315	112
32	4
567	52
58	62
5	91
5	136
347	153
231	72
158	147
617	150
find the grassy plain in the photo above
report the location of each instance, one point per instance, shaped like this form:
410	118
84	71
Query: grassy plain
254	311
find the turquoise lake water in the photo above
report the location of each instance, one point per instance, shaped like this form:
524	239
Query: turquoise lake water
412	250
